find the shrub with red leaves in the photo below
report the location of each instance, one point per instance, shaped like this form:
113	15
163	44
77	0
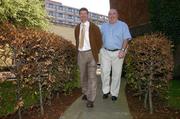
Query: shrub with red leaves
149	66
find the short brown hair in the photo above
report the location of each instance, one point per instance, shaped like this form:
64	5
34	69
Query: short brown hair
84	9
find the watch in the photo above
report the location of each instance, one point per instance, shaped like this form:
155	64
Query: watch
123	49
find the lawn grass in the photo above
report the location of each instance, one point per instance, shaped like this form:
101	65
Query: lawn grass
8	97
174	94
30	96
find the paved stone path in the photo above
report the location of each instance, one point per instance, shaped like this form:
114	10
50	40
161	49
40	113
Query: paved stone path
103	108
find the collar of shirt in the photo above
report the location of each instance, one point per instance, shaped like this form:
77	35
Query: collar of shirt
86	24
113	23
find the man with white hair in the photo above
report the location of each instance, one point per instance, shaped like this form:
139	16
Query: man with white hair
115	36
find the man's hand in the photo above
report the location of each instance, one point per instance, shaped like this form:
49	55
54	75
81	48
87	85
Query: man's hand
121	54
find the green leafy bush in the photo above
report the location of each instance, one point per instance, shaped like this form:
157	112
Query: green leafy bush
70	85
28	13
8	101
149	65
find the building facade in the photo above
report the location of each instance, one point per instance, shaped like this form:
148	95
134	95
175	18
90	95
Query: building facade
60	14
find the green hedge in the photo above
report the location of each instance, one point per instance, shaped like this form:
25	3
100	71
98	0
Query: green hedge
28	13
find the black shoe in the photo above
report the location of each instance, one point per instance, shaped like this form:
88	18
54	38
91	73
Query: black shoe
84	97
114	98
105	96
89	104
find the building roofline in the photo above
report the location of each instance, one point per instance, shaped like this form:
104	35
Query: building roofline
75	8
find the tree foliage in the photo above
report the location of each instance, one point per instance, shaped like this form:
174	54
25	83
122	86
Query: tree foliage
165	17
28	13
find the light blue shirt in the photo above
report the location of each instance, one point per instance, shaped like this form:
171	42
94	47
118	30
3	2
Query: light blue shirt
113	35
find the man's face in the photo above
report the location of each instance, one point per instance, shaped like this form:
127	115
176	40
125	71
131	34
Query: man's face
83	16
112	16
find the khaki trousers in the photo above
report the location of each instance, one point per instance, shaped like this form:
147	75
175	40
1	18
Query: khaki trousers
87	66
110	59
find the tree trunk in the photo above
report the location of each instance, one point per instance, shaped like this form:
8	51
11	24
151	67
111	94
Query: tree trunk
40	90
150	97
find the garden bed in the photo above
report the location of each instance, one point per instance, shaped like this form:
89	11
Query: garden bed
54	111
139	112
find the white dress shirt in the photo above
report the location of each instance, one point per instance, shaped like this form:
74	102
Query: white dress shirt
86	45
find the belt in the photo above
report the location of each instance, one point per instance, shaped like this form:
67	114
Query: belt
112	50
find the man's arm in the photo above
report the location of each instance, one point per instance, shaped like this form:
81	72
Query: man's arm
99	37
125	45
122	52
127	38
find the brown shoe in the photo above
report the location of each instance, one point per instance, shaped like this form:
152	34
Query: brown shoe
84	97
89	104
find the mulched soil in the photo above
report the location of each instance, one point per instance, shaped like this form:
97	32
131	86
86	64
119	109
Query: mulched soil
139	112
61	103
58	105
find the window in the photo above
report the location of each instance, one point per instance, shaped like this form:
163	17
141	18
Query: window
60	7
101	17
50	5
60	15
77	19
70	10
77	11
51	13
70	17
64	9
94	15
